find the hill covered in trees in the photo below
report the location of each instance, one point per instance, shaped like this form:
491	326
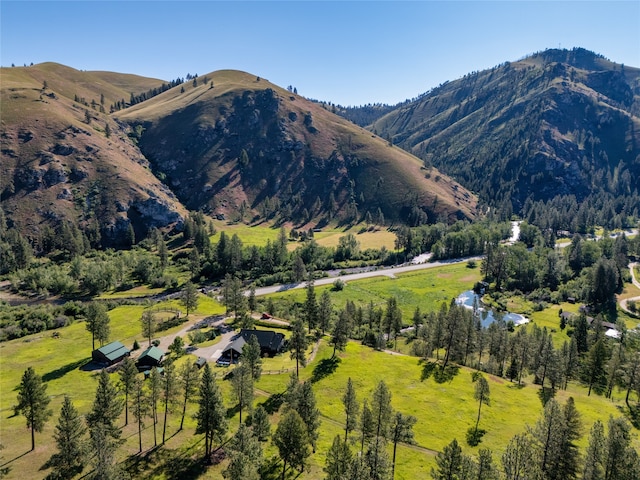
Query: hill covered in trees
555	133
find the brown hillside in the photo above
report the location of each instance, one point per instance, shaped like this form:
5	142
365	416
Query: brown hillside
235	141
58	163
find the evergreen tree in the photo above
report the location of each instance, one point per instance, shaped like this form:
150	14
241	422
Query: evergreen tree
260	424
325	309
188	380
251	357
104	449
242	382
339	459
311	305
169	394
486	469
211	415
351	409
449	463
97	322
70	440
246	456
251	301
106	408
148	322
340	333
382	416
32	402
155	390
127	373
189	297
518	458
594	462
290	438
595	367
298	344
481	394
308	411
140	407
401	431
621	459
367	426
233	296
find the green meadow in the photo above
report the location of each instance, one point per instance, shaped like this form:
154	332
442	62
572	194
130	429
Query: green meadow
444	410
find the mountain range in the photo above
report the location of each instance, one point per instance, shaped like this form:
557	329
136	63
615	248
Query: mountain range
110	152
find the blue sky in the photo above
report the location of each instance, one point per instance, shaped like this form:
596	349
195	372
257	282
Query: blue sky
350	53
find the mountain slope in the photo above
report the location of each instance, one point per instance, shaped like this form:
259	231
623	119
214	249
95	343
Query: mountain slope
232	142
64	160
557	123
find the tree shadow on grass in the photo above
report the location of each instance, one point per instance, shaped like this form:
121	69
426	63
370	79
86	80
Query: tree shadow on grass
439	374
167	463
632	414
271	468
324	368
62	371
545	394
273	403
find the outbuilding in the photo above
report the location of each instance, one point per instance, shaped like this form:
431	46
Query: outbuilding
151	357
110	354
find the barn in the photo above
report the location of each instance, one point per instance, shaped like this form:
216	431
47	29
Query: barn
110	353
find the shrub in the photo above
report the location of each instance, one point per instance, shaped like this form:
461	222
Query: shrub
136	345
338	285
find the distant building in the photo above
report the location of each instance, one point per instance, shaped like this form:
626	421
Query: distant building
151	357
200	362
110	353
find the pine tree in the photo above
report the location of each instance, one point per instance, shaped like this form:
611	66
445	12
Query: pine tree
104	449
106	408
70	440
401	431
127	373
308	411
481	394
188	380
211	415
169	394
621	458
189	297
298	344
311	305
148	322
325	309
594	462
290	438
449	463
518	458
339	458
32	402
242	382
246	456
260	423
340	333
251	357
97	322
351	409
382	415
140	407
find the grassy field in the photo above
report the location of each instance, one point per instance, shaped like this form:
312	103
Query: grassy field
444	411
258	235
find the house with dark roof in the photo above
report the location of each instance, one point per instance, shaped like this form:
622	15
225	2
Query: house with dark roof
151	357
110	353
271	343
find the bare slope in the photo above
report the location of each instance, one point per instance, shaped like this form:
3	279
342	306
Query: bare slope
237	142
64	160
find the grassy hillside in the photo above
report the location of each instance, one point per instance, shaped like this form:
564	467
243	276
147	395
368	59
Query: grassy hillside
235	139
64	159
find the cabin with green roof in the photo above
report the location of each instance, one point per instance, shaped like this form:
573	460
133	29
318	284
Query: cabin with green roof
110	354
151	357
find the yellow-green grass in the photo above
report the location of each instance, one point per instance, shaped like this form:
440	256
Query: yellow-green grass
258	235
426	289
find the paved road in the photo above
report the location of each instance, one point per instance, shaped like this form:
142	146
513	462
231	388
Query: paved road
634	280
386	272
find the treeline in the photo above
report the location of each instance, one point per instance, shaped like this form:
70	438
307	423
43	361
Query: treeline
141	97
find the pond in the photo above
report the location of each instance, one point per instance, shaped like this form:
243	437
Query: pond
488	316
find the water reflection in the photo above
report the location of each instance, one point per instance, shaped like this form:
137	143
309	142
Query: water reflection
471	300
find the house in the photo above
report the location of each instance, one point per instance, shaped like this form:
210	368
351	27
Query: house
271	343
110	353
151	357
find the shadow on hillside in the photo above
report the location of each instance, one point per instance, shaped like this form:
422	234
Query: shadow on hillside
91	366
62	371
439	374
324	368
166	463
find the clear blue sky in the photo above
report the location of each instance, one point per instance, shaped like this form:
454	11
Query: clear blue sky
349	53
